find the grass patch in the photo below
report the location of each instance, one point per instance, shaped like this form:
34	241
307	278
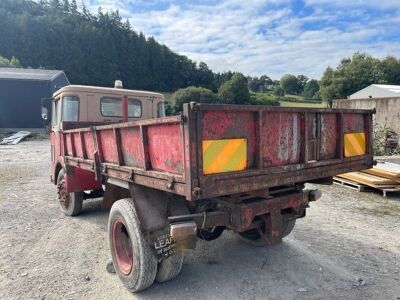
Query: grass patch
298	97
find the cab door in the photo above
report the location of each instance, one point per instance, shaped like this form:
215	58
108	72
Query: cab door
55	136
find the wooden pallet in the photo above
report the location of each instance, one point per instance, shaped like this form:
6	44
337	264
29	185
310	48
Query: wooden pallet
368	179
390	190
351	184
365	188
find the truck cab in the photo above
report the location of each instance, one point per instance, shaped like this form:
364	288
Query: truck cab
77	103
77	106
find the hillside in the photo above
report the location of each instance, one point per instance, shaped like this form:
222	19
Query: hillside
92	49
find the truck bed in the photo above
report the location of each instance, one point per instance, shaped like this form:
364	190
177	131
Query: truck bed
216	150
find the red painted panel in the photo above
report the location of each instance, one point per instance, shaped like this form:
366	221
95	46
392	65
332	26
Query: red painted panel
89	144
131	145
108	146
329	136
81	180
165	148
229	125
281	138
353	123
77	144
69	144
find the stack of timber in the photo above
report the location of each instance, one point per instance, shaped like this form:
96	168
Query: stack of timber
384	177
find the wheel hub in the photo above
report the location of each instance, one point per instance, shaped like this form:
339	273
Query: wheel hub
63	195
122	247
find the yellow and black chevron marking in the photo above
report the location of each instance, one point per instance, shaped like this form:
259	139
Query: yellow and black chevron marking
354	144
224	155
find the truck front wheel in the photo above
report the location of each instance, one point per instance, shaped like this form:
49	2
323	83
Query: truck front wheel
132	257
253	237
70	203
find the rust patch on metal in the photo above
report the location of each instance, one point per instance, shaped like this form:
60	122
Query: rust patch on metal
281	138
165	147
329	136
353	123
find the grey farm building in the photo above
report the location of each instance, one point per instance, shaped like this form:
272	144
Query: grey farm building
21	95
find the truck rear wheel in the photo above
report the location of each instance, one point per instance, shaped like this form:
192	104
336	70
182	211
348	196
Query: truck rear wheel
254	238
210	234
170	267
133	258
70	203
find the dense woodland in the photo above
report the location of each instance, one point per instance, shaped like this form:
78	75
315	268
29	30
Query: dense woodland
93	49
98	49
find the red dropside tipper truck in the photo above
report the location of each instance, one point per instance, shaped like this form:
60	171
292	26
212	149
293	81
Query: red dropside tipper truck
171	180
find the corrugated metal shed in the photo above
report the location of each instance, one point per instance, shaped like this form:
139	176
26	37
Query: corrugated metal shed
377	91
21	94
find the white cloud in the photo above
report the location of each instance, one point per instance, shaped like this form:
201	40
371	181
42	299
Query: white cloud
266	37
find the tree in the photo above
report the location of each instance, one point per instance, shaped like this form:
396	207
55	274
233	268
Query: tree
391	70
278	91
55	4
73	7
9	63
221	78
289	83
95	49
66	6
352	74
302	81
192	93
259	84
331	85
235	90
311	88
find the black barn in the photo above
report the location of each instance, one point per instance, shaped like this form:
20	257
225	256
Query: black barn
21	94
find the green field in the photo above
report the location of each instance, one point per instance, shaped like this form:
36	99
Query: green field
296	103
302	104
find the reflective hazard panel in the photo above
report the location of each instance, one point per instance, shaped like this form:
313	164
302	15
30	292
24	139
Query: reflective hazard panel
221	156
354	144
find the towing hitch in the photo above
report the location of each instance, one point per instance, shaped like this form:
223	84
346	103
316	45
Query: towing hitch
310	196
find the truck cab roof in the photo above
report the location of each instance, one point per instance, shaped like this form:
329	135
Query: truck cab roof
106	90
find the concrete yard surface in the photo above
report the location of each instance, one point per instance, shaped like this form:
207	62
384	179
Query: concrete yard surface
347	247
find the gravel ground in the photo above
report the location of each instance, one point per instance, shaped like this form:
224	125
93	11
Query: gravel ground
347	247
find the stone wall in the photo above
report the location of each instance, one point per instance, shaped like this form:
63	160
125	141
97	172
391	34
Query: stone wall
387	110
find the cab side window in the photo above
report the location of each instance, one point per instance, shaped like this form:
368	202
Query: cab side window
160	110
70	108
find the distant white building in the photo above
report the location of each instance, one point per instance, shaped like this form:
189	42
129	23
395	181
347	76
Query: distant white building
377	91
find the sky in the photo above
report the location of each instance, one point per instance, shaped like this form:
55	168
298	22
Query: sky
272	37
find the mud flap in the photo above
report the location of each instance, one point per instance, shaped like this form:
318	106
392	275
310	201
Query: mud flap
151	207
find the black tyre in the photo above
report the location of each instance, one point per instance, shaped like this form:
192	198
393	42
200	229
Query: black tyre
254	238
210	234
170	267
70	203
133	259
